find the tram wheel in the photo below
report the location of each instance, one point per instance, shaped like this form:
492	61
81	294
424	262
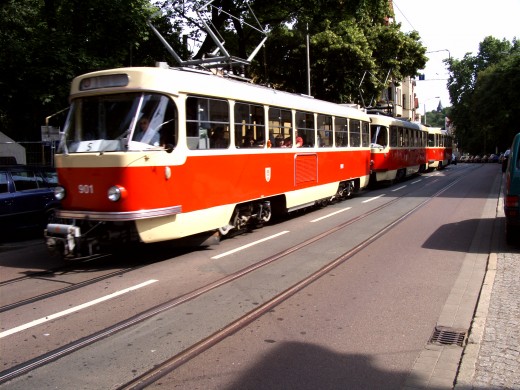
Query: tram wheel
233	223
349	190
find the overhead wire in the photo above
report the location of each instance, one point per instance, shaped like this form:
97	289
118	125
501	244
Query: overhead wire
404	16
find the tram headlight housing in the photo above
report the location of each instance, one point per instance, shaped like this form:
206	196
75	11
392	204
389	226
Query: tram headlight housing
116	193
59	192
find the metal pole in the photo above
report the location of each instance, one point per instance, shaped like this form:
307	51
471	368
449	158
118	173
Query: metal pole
308	65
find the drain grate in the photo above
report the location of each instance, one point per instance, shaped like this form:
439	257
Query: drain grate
448	336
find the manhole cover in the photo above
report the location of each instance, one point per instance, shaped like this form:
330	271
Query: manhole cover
445	335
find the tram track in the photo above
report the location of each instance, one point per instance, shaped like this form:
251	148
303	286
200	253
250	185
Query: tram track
159	371
52	271
64	290
177	360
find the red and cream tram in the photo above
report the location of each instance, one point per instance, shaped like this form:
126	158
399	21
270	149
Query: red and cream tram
155	154
439	149
398	148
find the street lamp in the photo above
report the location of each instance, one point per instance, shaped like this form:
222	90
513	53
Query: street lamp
424	104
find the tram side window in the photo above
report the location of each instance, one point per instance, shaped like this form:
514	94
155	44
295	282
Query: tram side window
413	141
280	127
365	134
406	137
379	136
431	140
305	129
355	132
394	136
249	125
341	131
325	133
400	137
207	123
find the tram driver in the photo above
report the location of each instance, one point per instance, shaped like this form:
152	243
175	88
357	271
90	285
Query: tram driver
145	133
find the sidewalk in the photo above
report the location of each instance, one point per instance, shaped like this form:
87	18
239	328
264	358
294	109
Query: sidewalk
491	357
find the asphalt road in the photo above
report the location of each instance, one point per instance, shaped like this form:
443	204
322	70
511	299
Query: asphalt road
362	325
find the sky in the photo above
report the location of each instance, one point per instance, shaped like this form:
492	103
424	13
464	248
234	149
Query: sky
453	28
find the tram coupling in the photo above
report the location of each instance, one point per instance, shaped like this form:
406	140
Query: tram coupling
87	239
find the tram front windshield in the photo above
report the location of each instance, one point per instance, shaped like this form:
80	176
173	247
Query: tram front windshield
120	122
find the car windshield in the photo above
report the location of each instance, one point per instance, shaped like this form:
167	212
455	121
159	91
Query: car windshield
120	122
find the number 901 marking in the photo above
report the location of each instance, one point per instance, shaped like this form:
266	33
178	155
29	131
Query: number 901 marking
86	188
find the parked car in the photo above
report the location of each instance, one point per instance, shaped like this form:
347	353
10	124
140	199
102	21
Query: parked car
26	197
493	158
512	193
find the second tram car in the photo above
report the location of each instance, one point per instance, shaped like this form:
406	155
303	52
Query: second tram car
398	148
439	149
155	154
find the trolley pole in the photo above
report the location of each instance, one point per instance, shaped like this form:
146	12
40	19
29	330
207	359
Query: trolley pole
308	64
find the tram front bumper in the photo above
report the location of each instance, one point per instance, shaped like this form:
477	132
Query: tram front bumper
61	238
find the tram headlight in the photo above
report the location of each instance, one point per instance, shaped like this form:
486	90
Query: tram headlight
116	192
59	192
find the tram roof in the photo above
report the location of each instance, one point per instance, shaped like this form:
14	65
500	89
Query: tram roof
391	121
176	81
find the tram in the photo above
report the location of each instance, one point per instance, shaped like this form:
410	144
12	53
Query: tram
398	148
439	149
155	154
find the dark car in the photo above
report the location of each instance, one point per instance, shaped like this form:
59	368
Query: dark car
512	193
26	197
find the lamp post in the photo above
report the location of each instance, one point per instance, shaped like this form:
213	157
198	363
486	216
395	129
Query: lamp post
424	104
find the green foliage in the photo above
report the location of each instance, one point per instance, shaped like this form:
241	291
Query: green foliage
45	43
485	95
437	118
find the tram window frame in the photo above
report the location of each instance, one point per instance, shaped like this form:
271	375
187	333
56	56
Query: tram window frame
202	132
279	118
431	140
325	131
168	126
365	134
305	127
406	137
341	131
394	136
379	135
249	118
354	127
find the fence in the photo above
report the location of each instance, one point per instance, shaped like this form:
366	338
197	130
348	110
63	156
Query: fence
29	153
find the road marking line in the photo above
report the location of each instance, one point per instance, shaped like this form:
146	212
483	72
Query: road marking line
331	214
400	188
73	309
249	245
374	198
417	181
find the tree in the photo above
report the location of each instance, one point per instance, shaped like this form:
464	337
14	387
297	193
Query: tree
484	92
45	43
437	118
349	39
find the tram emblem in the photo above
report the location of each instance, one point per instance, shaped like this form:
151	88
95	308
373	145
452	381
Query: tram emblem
268	174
